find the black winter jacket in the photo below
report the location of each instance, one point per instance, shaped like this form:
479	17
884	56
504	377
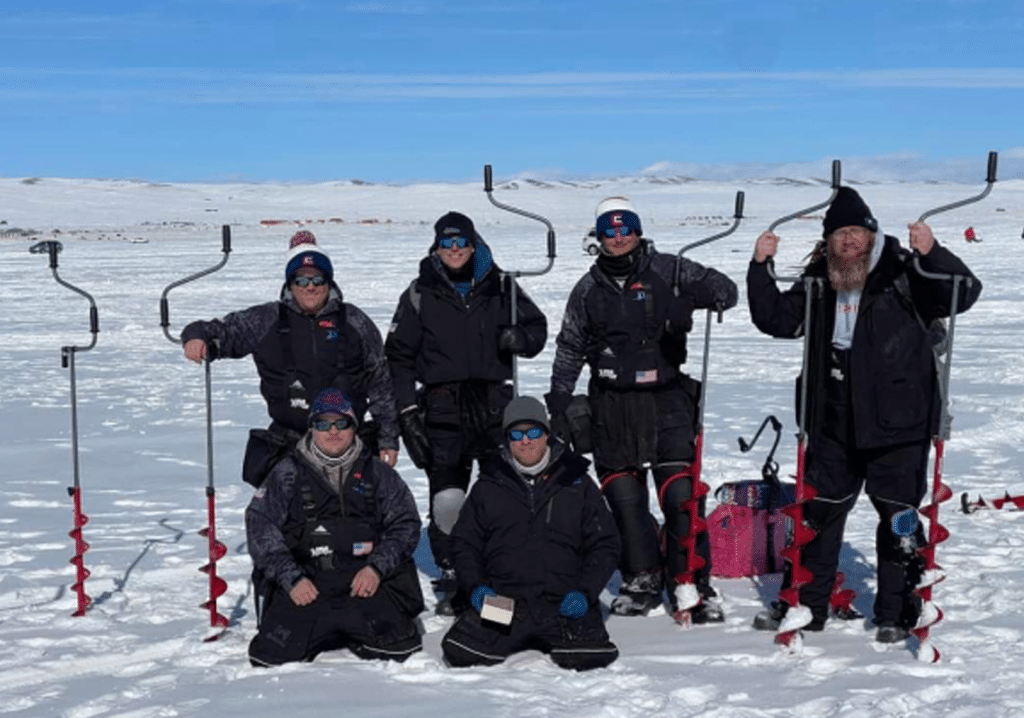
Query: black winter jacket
892	379
630	334
373	521
311	358
438	336
536	543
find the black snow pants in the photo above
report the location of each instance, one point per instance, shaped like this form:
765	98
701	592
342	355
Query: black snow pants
894	478
633	430
373	627
579	644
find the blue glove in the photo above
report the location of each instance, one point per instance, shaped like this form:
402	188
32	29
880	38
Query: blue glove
478	596
574	605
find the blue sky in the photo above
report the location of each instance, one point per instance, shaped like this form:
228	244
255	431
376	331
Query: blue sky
296	90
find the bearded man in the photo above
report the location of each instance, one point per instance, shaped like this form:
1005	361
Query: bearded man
873	401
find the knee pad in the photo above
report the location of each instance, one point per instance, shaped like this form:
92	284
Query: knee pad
623	491
444	508
674	487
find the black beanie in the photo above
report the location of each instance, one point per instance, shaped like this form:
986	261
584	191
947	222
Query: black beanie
848	210
454	224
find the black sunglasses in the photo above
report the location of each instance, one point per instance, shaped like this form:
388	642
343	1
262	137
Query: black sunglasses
345	422
317	280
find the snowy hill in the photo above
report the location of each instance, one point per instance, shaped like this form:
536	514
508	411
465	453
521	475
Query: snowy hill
139	650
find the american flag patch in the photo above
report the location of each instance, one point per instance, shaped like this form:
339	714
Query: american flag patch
647	377
362	548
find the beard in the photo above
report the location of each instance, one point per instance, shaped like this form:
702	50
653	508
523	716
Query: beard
848	273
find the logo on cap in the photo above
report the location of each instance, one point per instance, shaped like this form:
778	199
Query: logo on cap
307	261
616	220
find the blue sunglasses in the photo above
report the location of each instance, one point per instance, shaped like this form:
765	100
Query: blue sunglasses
534	432
317	280
621	231
345	422
447	242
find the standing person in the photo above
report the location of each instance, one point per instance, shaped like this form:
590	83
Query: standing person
331	533
307	340
452	334
872	396
625	319
534	529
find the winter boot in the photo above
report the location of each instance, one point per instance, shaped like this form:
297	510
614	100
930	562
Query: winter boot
450	601
890	632
638	595
710	608
771	618
847	613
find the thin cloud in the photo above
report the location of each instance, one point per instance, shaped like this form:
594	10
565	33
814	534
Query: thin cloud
201	86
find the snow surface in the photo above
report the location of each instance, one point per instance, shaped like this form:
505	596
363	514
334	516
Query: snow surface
139	651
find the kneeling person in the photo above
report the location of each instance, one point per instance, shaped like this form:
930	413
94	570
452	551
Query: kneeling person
331	533
535	529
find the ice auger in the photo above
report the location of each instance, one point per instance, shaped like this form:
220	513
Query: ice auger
216	549
799	615
67	361
937	533
687	596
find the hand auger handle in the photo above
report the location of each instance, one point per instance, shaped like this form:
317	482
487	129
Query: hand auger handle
956	279
836	181
489	189
737	217
53	248
165	312
990	179
746	446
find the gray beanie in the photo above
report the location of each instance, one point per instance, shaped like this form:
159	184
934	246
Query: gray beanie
523	409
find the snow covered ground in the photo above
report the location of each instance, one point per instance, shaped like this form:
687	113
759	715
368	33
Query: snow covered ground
139	651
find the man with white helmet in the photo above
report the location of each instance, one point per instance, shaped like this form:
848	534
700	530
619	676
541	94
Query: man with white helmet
627	319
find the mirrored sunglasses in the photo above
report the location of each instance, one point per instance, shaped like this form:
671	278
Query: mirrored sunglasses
345	422
621	231
447	242
317	280
534	432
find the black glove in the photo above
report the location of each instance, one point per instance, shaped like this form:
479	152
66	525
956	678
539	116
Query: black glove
557	405
512	339
414	436
680	314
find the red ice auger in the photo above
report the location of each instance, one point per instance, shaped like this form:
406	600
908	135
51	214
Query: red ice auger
969	507
937	533
686	595
798	615
67	361
216	549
